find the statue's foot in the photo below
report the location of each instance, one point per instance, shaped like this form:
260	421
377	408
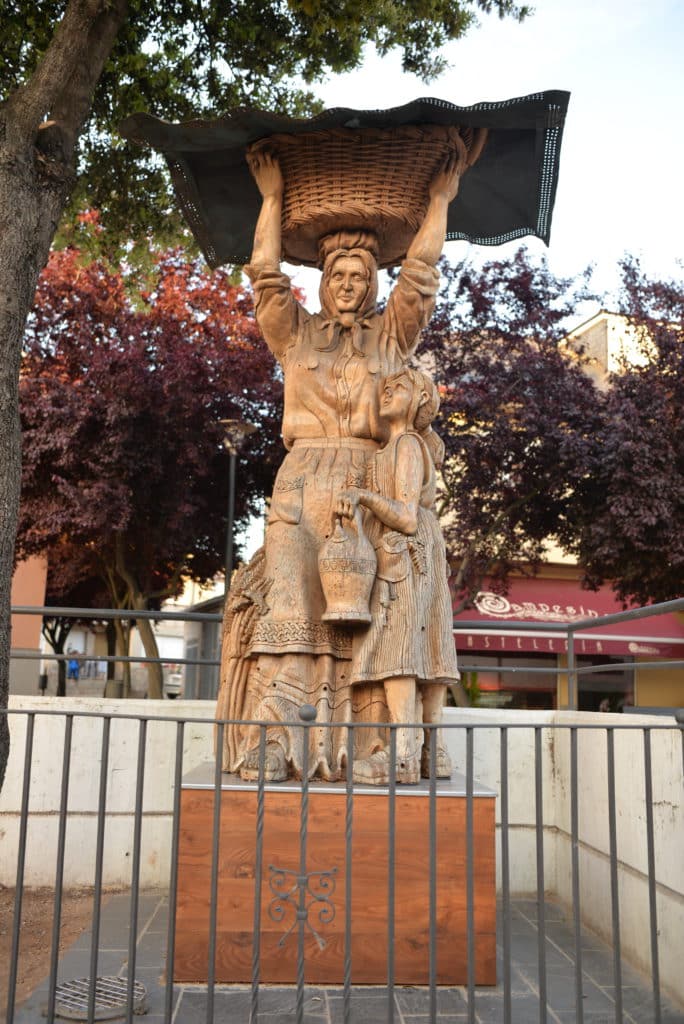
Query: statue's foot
442	762
375	770
275	764
408	770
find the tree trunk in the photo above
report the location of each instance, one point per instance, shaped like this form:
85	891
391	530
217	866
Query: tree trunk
111	688
28	221
123	643
110	633
137	601
37	165
155	675
56	632
118	643
61	677
9	488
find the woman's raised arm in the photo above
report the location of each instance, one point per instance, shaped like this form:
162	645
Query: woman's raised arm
429	240
267	236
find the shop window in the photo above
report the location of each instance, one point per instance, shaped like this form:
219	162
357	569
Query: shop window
607	687
529	687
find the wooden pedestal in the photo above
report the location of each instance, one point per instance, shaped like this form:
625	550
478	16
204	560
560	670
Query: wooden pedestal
325	852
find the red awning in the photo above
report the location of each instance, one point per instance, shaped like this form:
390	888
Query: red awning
558	602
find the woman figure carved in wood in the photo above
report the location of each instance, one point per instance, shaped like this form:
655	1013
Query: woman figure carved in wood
333	364
409	645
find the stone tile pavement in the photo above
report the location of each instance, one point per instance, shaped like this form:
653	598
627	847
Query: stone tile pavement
369	1005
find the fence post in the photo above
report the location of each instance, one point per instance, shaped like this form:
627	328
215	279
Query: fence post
572	673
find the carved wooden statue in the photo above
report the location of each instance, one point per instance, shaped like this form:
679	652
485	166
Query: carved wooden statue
352	559
346	395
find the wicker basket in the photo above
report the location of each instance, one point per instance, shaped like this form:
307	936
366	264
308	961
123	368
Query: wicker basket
368	178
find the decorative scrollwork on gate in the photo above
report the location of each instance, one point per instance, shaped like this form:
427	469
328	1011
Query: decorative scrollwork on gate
299	896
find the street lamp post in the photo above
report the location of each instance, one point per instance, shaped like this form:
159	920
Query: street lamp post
235	432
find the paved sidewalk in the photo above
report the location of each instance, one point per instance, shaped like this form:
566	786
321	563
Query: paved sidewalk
369	1005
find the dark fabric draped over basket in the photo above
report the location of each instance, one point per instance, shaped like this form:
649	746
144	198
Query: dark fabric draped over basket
507	194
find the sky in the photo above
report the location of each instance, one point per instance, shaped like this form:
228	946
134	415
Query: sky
622	160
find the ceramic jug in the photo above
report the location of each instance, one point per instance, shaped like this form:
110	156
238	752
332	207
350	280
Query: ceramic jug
347	566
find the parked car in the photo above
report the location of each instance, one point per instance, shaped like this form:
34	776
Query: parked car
173	684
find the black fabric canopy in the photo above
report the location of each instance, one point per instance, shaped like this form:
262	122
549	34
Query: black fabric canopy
508	193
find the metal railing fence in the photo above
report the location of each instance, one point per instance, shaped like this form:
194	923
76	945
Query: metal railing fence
573	670
536	814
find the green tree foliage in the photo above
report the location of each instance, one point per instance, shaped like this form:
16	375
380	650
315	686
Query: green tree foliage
183	59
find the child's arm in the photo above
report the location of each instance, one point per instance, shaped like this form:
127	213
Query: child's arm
399	512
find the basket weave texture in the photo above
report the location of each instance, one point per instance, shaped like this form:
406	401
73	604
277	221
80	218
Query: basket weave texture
376	179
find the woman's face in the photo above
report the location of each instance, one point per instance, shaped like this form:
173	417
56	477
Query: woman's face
348	283
395	401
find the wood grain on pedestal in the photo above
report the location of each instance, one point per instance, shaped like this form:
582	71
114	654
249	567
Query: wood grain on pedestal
369	896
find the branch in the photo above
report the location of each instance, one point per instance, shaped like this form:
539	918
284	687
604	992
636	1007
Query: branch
462	569
109	578
63	84
169	589
124	572
56	630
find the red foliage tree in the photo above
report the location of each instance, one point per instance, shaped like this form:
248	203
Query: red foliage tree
632	528
517	417
122	394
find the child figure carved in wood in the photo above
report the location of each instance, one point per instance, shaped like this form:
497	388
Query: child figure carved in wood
409	644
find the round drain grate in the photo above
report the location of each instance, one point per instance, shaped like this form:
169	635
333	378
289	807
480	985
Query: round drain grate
111	997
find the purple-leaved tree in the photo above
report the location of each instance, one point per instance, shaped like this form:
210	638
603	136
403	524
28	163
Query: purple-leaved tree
122	395
632	529
517	417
